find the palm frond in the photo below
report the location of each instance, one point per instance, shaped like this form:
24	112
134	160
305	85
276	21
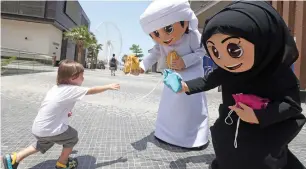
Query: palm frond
81	35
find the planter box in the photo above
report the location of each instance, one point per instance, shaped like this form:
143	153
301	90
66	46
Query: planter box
303	96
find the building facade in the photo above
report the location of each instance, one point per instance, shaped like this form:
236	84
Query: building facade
294	14
206	9
38	26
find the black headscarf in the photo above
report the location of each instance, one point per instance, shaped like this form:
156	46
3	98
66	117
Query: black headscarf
259	23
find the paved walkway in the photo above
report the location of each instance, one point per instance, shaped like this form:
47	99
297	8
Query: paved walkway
115	131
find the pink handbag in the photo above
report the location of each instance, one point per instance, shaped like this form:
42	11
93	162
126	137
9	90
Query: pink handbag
255	102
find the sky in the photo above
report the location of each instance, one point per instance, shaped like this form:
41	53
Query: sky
125	16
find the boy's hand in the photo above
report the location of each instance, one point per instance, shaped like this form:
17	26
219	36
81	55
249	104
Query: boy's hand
185	88
245	113
114	86
137	72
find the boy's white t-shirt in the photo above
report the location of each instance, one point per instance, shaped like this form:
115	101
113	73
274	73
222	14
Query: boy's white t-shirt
52	117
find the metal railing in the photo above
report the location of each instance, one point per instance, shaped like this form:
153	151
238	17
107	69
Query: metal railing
15	61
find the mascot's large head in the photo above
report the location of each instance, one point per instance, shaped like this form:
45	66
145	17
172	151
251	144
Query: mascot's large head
249	37
166	21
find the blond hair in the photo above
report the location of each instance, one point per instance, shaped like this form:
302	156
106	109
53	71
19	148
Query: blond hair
68	69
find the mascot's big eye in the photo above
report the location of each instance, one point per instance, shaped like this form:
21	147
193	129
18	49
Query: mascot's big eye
215	52
156	33
234	50
169	29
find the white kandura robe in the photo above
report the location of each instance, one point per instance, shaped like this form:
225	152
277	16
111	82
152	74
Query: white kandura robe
182	120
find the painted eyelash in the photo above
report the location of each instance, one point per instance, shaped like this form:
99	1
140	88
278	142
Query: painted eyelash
239	43
236	43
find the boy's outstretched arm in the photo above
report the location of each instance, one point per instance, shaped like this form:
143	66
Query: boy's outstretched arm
100	89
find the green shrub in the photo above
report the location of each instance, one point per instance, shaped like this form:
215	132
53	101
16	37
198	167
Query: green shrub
5	62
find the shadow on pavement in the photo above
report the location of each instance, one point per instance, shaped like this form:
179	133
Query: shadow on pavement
181	163
11	71
119	160
142	145
86	161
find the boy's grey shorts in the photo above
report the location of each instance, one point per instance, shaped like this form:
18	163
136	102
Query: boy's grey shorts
68	139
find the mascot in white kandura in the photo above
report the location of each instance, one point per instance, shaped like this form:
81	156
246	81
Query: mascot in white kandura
182	120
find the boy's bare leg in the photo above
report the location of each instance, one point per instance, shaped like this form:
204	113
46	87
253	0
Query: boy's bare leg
25	153
65	155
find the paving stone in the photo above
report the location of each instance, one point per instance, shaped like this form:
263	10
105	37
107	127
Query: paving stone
115	130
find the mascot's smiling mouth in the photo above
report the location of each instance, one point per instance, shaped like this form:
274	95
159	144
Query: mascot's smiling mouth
168	41
234	67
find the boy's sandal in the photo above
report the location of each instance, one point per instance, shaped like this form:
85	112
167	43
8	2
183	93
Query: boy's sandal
71	164
9	162
14	160
63	166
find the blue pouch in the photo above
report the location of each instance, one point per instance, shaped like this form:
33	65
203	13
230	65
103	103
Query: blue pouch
172	80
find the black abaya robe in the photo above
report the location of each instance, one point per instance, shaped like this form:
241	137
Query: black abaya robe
263	145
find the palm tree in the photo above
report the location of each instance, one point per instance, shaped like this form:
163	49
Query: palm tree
93	49
93	52
82	37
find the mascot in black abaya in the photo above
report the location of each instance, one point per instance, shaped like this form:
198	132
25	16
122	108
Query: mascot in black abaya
261	112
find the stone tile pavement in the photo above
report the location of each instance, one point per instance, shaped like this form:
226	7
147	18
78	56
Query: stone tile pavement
115	131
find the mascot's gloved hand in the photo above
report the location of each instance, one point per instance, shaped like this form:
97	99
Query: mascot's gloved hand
172	80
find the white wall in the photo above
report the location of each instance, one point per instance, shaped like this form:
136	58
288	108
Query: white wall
40	37
55	41
70	52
